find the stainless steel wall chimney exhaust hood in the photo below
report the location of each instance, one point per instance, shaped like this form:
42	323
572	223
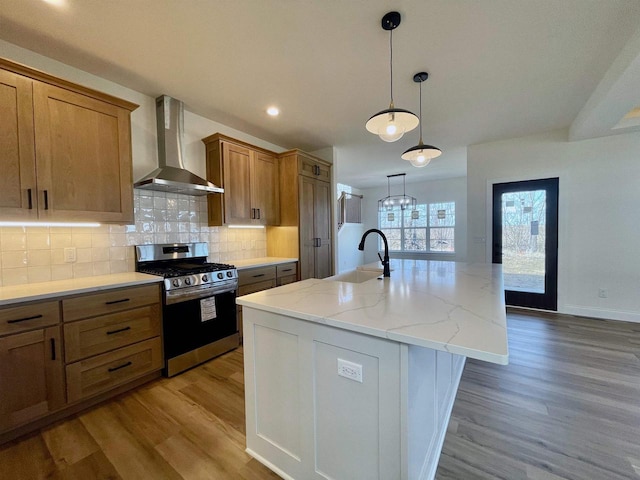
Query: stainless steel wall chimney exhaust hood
171	176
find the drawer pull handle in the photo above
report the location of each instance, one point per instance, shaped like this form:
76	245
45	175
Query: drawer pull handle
119	330
113	302
121	366
18	320
259	275
287	269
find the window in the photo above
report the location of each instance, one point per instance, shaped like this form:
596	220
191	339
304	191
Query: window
428	228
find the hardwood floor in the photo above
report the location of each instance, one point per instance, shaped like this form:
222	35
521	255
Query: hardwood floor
566	407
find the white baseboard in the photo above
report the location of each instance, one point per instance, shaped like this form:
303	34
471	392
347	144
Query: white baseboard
602	313
268	464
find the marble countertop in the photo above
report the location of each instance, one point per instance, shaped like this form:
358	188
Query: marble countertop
259	262
46	290
450	306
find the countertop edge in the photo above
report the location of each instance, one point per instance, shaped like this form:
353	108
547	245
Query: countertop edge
65	288
260	262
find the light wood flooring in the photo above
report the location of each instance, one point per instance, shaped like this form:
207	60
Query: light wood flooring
566	407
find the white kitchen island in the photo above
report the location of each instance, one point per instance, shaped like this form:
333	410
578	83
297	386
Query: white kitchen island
349	380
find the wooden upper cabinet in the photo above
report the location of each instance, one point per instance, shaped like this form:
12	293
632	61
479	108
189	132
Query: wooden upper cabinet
236	168
264	183
17	154
249	176
76	139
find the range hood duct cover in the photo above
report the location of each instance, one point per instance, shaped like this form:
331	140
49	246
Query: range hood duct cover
171	176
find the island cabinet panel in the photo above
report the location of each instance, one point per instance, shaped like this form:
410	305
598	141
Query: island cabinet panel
305	419
31	376
277	415
322	402
66	150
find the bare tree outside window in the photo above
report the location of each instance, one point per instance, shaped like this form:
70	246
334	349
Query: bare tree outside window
429	228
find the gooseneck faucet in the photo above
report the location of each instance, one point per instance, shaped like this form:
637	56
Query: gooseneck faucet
385	261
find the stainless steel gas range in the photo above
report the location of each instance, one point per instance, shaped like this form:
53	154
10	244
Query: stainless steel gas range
199	309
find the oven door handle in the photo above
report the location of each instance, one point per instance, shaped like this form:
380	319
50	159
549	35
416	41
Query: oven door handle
180	295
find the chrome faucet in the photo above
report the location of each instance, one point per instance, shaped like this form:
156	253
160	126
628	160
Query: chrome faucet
385	262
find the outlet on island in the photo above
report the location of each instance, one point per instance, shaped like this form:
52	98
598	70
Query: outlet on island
350	370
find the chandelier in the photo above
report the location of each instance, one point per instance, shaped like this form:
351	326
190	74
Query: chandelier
404	201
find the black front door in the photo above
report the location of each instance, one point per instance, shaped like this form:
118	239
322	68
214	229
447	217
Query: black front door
525	241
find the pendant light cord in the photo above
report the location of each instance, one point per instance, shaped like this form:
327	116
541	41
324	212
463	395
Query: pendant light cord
391	63
420	113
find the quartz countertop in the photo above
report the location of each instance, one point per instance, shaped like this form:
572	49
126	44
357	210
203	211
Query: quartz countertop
46	290
450	306
259	262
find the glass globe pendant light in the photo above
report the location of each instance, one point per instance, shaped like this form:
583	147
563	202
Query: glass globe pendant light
421	154
391	124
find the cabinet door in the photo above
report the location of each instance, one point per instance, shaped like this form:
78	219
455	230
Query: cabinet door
308	240
264	184
83	156
31	376
310	167
17	152
236	168
322	228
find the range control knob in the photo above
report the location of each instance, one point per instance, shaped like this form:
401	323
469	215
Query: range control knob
229	274
220	276
187	281
205	278
176	283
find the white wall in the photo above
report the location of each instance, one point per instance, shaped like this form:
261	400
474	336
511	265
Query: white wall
447	190
599	227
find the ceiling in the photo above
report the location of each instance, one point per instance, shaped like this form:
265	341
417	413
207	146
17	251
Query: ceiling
498	68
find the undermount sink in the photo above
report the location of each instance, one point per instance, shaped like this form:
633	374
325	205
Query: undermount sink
356	276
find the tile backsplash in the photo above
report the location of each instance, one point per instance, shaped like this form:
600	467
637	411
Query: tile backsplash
36	254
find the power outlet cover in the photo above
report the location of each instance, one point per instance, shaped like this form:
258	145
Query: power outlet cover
350	370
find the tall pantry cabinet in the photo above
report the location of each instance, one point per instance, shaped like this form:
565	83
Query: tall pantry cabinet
305	203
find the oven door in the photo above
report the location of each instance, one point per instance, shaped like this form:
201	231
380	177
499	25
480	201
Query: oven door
194	323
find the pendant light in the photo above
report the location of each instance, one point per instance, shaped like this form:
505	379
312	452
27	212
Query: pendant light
403	201
391	124
421	154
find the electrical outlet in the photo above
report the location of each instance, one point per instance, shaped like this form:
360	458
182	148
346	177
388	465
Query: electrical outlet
603	293
70	254
350	370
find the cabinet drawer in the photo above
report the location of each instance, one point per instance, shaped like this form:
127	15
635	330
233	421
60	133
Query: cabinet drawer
104	372
286	269
256	287
286	279
27	317
108	332
312	168
255	275
109	301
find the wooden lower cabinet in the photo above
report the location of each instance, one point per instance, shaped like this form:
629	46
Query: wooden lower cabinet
31	376
58	356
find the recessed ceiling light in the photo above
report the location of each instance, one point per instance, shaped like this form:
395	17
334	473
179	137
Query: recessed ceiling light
273	111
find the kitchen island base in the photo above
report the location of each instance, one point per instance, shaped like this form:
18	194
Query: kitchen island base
326	403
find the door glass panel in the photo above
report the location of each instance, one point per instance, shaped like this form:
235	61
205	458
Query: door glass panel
523	240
